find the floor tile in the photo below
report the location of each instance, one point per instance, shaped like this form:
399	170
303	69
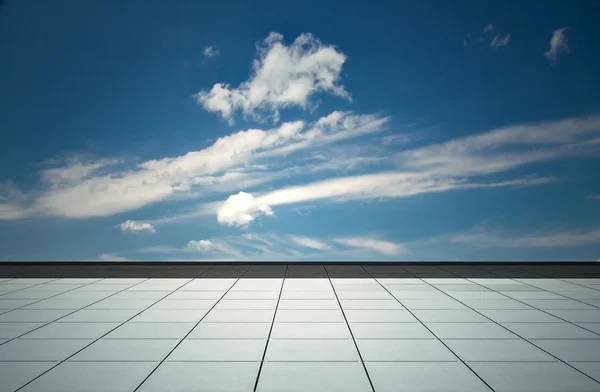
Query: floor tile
308	304
231	331
370	304
210	376
449	316
306	350
12	330
16	374
576	316
298	294
550	331
424	377
432	304
219	350
497	350
591	326
548	304
506	303
99	316
533	377
314	377
380	350
572	350
157	330
56	304
137	350
592	369
324	316
390	331
71	331
470	331
239	316
92	377
372	316
310	331
41	349
265	304
135	304
168	315
185	304
519	316
32	316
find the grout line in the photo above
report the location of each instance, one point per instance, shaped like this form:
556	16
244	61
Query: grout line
28	287
430	331
502	326
262	361
194	327
349	329
101	336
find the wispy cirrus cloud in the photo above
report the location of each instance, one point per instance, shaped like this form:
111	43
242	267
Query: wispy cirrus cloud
546	239
134	227
373	244
308	242
558	43
283	76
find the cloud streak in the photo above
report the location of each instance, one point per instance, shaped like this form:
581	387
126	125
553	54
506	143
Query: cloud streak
558	43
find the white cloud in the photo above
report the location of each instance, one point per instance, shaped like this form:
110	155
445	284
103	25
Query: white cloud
371	244
199	245
594	197
112	257
241	209
211	51
558	43
498	42
309	242
283	76
81	189
133	226
489	28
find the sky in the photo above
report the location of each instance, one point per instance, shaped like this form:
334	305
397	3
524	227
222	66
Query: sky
333	131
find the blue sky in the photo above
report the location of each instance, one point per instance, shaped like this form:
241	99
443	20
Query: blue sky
186	130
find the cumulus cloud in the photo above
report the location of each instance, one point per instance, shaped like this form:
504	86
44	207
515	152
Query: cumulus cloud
211	51
241	209
282	76
499	42
309	242
199	245
558	43
133	226
371	244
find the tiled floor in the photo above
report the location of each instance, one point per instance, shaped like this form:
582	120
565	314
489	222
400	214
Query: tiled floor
347	328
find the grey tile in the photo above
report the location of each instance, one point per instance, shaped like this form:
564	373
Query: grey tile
390	331
298	294
141	295
449	316
307	350
41	349
424	377
10	304
308	304
99	316
383	350
53	303
381	294
92	377
12	330
160	330
373	316
219	350
314	377
533	377
370	304
138	350
186	304
32	316
324	316
576	316
135	304
444	303
591	326
16	374
173	316
550	331
479	295
265	304
252	294
209	376
470	331
519	316
572	350
71	331
548	304
310	331
239	316
497	350
505	303
592	369
523	295
231	331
